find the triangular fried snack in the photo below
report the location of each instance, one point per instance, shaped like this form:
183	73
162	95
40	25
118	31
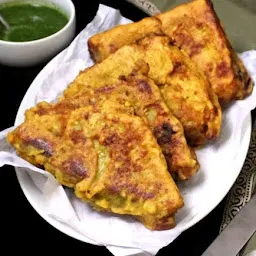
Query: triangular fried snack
184	88
195	28
103	44
110	159
134	95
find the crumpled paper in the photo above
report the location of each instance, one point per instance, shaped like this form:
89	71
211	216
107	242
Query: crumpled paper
220	161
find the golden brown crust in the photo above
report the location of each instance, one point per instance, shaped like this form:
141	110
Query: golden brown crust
134	179
195	28
41	141
135	95
110	159
101	45
184	88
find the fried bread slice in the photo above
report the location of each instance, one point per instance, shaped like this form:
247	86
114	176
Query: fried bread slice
195	28
184	88
134	95
110	159
101	45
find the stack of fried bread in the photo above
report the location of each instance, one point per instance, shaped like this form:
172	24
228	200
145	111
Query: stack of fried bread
127	126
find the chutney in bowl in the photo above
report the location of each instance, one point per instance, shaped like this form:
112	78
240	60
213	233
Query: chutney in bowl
38	29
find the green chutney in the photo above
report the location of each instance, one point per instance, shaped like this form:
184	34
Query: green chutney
30	21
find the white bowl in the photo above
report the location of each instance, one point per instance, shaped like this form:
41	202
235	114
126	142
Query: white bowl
21	54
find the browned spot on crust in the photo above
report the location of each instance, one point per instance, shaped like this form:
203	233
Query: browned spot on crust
199	25
211	18
209	67
104	89
86	116
165	223
61	108
91	45
169	205
75	167
122	78
42	111
215	110
113	189
131	189
112	48
64	107
222	69
143	153
143	86
205	128
187	42
62	122
136	167
41	144
180	37
140	193
120	146
77	137
195	49
112	139
163	133
178	68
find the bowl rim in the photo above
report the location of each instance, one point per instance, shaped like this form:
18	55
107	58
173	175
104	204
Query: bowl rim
70	21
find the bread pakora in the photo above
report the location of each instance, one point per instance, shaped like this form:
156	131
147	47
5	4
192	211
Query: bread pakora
101	45
195	28
184	88
112	161
133	95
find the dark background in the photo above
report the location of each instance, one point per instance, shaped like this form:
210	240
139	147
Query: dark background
21	227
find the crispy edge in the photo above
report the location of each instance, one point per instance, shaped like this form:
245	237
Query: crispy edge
103	44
